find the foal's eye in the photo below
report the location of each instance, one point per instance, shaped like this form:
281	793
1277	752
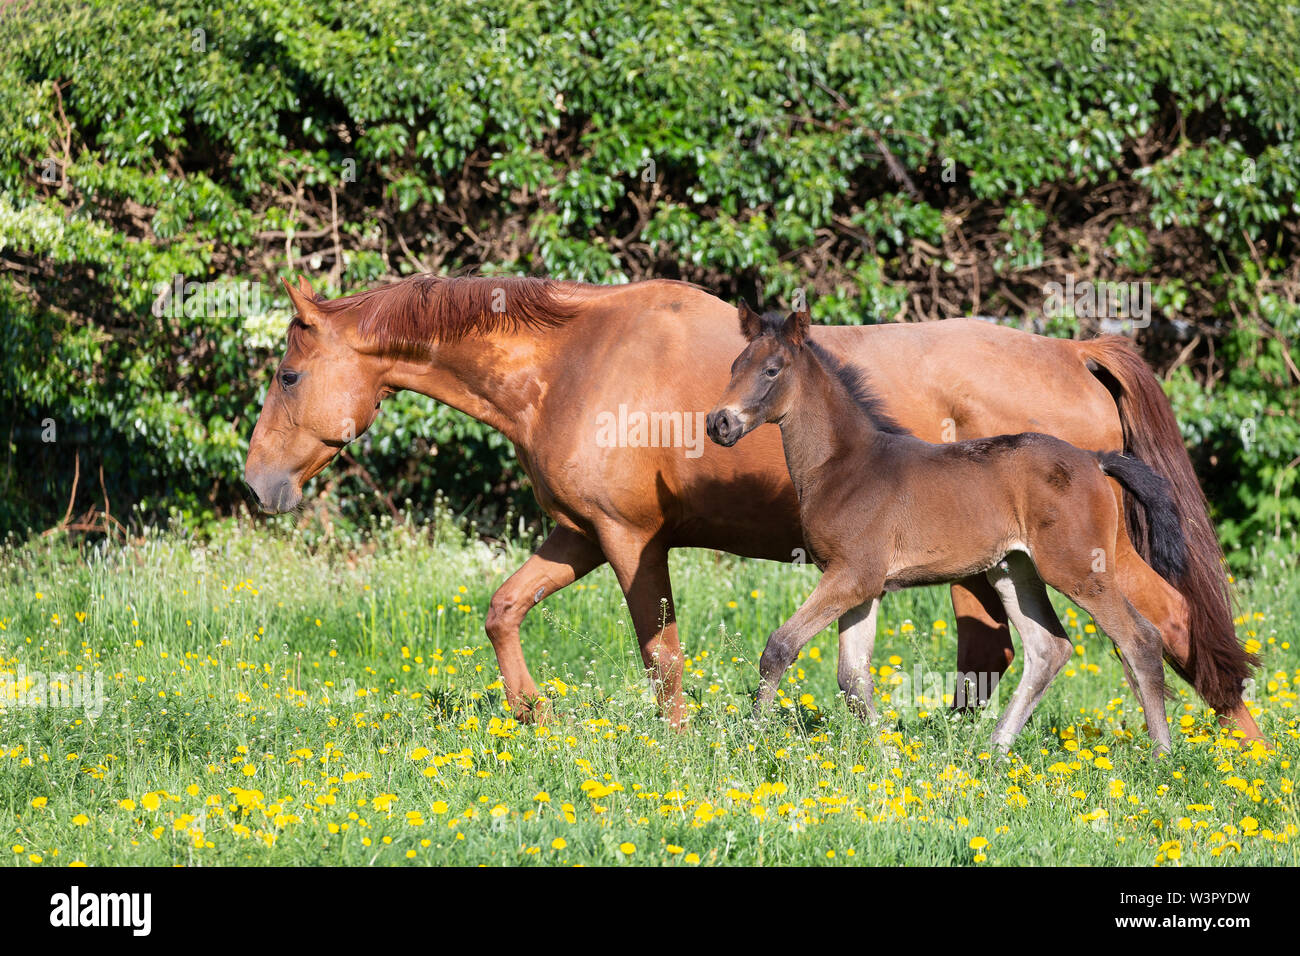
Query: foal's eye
288	379
771	371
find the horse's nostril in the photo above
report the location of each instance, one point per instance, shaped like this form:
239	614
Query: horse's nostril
272	495
283	496
723	427
252	491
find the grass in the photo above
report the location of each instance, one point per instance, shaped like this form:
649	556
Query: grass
277	699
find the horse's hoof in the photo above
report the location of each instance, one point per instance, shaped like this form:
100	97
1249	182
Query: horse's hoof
536	712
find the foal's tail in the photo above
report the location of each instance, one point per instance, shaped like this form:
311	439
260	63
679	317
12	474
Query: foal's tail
1217	664
1165	532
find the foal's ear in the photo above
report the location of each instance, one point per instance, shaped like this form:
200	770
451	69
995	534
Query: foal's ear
795	329
751	323
304	301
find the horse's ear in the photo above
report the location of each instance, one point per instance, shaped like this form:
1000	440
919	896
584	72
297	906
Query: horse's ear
795	329
304	302
751	323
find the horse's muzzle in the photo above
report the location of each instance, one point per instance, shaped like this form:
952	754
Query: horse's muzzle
275	494
724	427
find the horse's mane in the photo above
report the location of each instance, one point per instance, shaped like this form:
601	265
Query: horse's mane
412	313
858	386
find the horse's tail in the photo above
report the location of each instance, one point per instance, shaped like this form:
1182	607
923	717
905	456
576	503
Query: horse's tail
1166	544
1217	665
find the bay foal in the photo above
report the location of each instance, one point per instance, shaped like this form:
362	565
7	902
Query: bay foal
883	510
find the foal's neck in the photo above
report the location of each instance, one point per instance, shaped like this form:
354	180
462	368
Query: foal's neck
825	426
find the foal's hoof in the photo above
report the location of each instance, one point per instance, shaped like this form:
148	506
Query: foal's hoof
761	708
862	710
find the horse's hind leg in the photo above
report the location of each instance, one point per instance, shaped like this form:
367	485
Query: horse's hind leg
1045	644
857	641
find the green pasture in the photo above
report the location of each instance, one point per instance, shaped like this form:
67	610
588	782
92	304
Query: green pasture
275	697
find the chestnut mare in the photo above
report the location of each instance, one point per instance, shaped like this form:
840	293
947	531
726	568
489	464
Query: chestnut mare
883	510
549	364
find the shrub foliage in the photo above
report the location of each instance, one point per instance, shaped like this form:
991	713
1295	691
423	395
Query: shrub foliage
914	160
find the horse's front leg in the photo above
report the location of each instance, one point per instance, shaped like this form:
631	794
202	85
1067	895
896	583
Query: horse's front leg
984	649
835	594
563	557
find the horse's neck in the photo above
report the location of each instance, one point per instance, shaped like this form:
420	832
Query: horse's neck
826	429
495	377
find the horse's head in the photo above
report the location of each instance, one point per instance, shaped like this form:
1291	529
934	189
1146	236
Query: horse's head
325	393
761	377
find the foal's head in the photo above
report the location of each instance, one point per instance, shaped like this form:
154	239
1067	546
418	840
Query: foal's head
762	378
325	393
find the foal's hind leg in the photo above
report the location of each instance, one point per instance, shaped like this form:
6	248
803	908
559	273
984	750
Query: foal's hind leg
1046	646
1139	643
857	641
1161	604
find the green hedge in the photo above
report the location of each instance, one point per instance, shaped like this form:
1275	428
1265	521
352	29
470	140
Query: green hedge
911	161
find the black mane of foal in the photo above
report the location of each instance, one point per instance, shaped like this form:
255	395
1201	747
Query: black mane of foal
854	380
859	388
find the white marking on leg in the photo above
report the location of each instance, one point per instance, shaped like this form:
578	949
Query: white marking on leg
1046	647
857	643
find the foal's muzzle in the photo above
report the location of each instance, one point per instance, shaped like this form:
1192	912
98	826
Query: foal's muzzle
724	427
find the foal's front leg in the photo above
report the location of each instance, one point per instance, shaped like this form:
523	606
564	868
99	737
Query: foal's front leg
834	595
857	642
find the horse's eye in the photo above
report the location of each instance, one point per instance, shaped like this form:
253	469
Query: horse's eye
771	371
288	379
